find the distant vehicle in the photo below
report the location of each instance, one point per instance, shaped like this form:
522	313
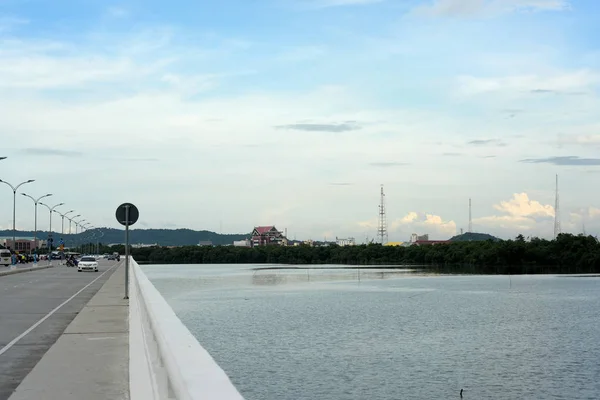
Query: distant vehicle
112	257
87	264
5	257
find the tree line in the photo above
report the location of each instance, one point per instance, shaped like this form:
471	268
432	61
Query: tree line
566	254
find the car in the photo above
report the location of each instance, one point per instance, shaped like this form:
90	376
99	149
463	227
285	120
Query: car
5	257
87	264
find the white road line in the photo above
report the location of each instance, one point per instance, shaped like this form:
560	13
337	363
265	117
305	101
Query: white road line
32	327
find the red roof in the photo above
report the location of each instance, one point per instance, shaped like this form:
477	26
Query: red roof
432	241
263	229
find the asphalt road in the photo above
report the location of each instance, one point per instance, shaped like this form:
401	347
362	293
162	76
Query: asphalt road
27	298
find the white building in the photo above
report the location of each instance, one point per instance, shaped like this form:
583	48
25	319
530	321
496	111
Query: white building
345	242
415	237
242	243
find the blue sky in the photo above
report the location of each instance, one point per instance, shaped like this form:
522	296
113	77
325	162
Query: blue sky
293	112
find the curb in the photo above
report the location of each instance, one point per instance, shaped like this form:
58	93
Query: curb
18	271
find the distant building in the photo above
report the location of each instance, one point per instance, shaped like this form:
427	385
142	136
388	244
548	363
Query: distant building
142	245
267	235
394	244
345	242
430	242
242	243
414	237
205	243
23	244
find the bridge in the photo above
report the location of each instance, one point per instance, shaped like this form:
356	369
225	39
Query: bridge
71	336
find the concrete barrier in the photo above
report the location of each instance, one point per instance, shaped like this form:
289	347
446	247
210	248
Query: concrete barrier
165	359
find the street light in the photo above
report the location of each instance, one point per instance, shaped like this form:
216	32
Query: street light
91	238
98	241
14	189
50	228
78	224
71	220
62	225
2	158
35	202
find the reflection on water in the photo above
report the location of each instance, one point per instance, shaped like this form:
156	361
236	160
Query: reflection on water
380	334
282	276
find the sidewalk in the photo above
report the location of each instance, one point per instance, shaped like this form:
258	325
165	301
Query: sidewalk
90	361
18	270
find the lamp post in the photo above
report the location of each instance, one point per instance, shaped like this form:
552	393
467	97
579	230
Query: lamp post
14	189
71	220
62	225
51	209
35	202
2	158
91	238
78	224
98	241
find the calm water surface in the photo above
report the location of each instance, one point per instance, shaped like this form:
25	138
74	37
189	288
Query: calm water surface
346	334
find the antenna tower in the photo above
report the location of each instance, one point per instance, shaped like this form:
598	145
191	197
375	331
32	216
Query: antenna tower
556	212
382	233
470	218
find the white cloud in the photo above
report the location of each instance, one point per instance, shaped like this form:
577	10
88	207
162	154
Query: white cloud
415	222
521	206
468	8
519	214
567	82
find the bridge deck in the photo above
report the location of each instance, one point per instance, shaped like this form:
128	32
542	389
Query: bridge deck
90	359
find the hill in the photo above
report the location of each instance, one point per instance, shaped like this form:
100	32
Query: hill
162	237
474	237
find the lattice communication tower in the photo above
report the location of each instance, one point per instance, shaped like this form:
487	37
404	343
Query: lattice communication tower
470	218
556	212
382	233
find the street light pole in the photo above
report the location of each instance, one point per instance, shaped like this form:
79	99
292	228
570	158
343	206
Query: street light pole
51	209
71	220
98	241
62	225
35	203
78	224
14	189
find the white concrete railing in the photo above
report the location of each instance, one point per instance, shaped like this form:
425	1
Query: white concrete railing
165	359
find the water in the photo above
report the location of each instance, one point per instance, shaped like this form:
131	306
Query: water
325	334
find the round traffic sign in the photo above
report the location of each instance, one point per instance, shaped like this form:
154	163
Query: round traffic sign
126	210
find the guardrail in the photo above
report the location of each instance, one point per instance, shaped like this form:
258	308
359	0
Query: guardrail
165	359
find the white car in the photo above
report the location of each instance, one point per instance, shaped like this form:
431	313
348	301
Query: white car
87	264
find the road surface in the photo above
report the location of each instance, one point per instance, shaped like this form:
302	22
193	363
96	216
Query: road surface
27	298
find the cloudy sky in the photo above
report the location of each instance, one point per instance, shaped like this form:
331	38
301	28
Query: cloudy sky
226	115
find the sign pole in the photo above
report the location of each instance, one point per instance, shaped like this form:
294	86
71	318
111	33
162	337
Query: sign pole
126	251
127	214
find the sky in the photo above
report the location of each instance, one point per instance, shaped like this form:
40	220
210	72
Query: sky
233	114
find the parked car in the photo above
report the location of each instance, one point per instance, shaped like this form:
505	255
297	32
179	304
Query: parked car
5	257
87	264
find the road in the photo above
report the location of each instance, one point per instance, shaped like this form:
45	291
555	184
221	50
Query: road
27	298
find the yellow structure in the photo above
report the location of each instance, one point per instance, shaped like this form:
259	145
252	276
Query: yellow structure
394	244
